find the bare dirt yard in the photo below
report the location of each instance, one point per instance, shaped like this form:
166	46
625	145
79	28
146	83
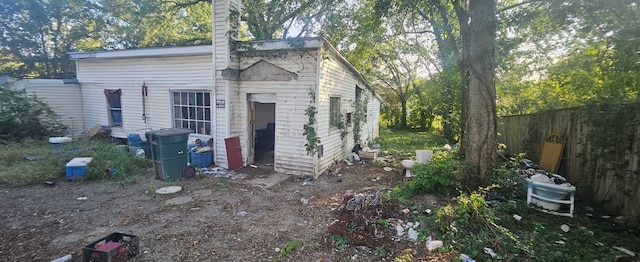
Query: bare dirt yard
210	219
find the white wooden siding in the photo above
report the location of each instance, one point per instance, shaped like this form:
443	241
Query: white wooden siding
64	99
292	99
161	75
336	80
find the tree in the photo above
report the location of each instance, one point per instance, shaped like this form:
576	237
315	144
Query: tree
479	133
38	33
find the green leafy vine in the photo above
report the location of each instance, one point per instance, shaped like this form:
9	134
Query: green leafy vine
358	119
309	128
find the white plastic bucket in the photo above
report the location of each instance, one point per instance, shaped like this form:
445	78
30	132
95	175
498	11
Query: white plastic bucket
424	156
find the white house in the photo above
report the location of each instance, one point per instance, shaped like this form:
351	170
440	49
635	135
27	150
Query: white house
250	97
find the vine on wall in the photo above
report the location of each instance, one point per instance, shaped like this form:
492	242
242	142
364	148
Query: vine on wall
309	128
358	119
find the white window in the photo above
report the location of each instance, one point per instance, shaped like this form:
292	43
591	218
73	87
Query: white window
334	111
192	110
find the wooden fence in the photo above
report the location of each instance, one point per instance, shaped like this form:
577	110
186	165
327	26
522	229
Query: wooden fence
603	168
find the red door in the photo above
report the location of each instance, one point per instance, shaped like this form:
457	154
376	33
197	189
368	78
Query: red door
234	152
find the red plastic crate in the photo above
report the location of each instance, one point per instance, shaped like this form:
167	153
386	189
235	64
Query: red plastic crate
117	247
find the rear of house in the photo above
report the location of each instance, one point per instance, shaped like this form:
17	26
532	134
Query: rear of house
258	99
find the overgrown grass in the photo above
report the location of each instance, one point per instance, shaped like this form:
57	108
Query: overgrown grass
51	165
406	142
484	218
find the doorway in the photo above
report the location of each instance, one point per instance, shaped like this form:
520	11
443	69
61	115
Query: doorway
262	122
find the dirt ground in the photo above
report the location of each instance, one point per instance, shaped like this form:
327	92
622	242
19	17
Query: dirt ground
226	220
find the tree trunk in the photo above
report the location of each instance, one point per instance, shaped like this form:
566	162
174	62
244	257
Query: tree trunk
481	118
403	117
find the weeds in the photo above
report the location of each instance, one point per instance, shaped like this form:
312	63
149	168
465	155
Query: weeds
287	249
340	242
52	162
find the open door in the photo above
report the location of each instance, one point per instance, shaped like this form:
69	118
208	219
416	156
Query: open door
262	124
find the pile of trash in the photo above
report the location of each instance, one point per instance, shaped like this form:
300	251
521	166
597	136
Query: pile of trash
531	170
357	219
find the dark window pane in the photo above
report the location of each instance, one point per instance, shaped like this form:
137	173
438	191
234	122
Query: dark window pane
192	124
177	113
207	99
199	99
185	112
207	114
176	123
192	99
176	98
183	99
200	113
207	127
185	124
192	113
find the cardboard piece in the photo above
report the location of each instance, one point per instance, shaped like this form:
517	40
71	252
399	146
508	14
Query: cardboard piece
552	152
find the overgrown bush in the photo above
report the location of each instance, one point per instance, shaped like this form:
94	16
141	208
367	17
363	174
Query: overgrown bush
472	225
23	115
442	175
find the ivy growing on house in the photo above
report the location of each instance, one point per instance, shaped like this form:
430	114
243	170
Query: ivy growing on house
310	127
360	106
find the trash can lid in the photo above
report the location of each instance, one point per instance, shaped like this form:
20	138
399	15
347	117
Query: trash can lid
172	132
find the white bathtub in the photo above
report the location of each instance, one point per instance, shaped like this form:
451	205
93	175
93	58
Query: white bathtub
550	196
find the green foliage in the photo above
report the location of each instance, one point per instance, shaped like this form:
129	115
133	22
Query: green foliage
287	249
18	171
358	118
310	127
444	174
340	242
472	226
506	181
23	115
405	142
380	252
223	184
469	225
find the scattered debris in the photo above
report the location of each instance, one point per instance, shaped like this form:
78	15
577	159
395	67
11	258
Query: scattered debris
517	217
559	242
427	212
168	190
62	259
466	258
241	213
626	251
82	198
33	158
253	166
304	201
433	244
490	252
565	228
50	183
388	169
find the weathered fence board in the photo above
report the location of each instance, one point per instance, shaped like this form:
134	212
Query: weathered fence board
613	184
